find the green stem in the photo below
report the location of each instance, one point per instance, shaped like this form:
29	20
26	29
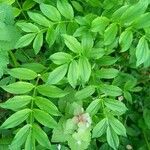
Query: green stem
13	58
21	9
146	140
32	102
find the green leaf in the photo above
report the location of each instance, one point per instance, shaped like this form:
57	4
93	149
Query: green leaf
22	73
38	42
39	19
51	91
110	90
93	108
87	43
112	138
99	24
128	96
17	102
21	136
125	40
51	36
142	21
146	115
29	140
130	84
85	93
110	34
18	87
44	118
73	74
117	126
28	4
134	12
72	43
50	11
46	105
41	136
84	69
97	53
142	51
28	27
37	67
115	105
119	12
77	6
25	40
65	9
60	58
107	61
16	119
107	73
100	128
57	74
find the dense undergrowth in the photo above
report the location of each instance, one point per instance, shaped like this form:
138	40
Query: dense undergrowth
74	75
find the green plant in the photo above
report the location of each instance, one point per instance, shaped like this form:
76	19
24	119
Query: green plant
75	74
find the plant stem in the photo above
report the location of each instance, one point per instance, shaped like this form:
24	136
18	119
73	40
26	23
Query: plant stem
146	140
32	102
21	9
13	58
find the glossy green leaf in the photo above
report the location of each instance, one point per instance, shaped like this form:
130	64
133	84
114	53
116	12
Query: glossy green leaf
100	128
115	105
51	36
107	73
17	102
127	96
84	69
99	24
38	42
65	9
73	74
142	51
29	140
28	27
110	90
16	119
41	136
61	58
21	136
39	19
28	4
18	87
57	74
117	126
50	11
44	118
87	43
125	40
51	91
72	43
93	108
77	6
25	40
97	53
110	34
112	138
142	22
22	73
85	93
47	106
134	11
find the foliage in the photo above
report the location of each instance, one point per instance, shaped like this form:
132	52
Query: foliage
74	74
